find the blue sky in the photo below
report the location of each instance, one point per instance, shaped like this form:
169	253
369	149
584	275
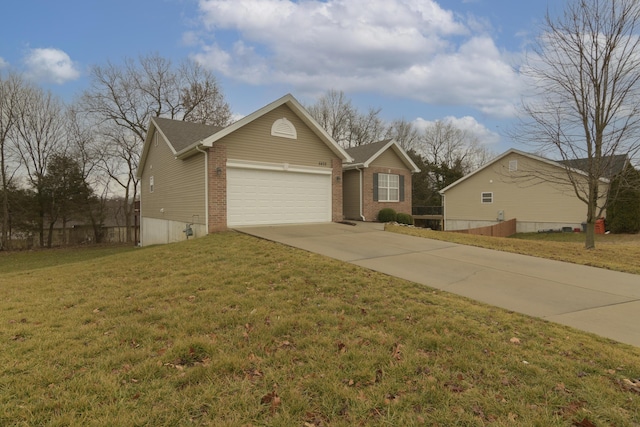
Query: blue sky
421	60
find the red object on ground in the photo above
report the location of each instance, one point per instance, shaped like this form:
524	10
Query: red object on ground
600	226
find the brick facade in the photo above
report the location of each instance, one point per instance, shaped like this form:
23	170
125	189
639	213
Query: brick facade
336	191
217	175
370	207
217	197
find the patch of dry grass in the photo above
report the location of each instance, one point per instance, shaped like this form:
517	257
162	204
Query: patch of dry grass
229	330
613	252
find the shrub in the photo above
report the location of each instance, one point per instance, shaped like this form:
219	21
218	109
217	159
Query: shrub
404	218
623	211
387	215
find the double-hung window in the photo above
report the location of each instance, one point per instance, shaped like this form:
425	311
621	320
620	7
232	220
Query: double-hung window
388	187
487	197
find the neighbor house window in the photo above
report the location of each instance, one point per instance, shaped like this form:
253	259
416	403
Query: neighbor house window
151	184
513	165
487	197
387	187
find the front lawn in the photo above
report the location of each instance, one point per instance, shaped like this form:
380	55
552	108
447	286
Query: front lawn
230	330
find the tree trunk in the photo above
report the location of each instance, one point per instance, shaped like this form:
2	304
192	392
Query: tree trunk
592	207
590	236
127	221
5	242
64	231
50	235
41	229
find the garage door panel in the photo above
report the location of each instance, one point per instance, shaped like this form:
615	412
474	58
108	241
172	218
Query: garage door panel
256	197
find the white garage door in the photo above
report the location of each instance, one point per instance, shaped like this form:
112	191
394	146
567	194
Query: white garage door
258	197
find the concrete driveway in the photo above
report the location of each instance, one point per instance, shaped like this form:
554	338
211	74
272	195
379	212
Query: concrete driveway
604	302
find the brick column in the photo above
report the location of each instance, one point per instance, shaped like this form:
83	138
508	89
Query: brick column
217	188
336	191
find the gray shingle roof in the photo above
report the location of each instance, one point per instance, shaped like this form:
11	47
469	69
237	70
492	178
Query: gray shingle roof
612	165
364	152
183	134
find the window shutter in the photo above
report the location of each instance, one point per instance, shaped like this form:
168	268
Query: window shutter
375	187
402	188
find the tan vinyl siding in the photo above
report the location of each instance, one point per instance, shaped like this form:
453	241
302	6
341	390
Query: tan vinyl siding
351	191
518	193
179	186
306	150
388	159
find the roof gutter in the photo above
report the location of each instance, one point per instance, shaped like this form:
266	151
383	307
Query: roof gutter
356	166
189	151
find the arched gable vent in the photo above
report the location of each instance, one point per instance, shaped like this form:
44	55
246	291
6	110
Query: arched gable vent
284	128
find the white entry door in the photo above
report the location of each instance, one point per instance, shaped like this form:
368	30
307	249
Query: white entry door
261	197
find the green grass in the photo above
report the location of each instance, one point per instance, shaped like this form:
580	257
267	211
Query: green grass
229	330
613	252
41	258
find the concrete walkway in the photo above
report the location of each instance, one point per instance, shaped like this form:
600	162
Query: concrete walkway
604	302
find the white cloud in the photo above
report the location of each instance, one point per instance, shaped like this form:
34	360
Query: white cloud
405	48
468	124
3	63
50	65
190	38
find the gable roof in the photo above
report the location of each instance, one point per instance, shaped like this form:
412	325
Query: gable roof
522	153
364	155
181	134
186	139
298	109
177	133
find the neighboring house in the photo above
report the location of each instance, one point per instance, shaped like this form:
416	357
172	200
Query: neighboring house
379	177
531	189
275	166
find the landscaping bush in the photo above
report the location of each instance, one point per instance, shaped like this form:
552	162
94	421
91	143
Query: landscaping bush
404	218
623	211
387	215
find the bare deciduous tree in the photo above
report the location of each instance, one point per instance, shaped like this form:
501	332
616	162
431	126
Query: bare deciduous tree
346	125
441	142
122	99
366	127
333	111
448	153
404	132
11	87
585	74
202	98
39	134
88	152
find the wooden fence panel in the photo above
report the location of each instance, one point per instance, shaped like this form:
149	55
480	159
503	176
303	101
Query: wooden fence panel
503	229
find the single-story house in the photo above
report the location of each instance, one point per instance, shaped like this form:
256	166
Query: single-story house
274	166
533	190
379	177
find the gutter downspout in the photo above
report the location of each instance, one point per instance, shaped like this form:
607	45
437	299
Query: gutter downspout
206	185
140	244
361	194
444	222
